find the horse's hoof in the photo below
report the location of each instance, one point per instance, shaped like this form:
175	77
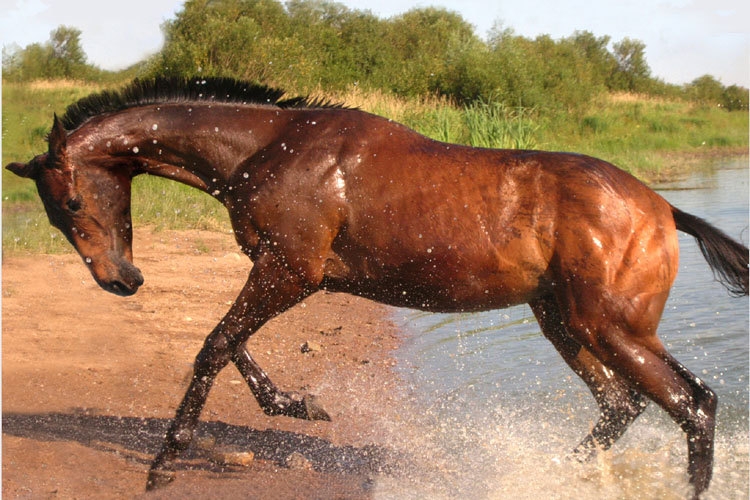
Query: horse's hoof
583	453
158	478
313	409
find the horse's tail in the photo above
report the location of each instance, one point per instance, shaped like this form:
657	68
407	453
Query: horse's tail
726	257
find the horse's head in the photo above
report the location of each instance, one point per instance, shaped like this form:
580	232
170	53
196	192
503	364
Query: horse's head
90	204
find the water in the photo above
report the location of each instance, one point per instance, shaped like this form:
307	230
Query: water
498	409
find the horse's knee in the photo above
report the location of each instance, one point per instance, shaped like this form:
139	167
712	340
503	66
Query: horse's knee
707	399
215	354
632	406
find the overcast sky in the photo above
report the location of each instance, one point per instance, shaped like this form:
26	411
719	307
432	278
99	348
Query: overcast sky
684	39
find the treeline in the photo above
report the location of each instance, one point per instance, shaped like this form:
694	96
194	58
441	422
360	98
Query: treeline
60	57
312	44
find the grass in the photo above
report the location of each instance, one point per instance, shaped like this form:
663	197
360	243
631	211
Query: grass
645	135
494	125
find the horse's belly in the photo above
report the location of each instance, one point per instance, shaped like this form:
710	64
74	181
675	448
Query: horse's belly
445	289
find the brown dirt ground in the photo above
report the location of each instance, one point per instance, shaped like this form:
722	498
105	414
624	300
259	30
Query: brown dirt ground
90	380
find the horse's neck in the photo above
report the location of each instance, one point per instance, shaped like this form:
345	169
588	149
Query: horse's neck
197	144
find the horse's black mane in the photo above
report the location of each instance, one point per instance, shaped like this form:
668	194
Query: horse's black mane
162	90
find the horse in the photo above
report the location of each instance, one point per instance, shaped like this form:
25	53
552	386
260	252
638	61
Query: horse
325	197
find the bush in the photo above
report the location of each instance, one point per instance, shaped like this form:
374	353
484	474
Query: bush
735	98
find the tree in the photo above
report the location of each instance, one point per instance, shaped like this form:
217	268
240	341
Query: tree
66	58
423	40
60	57
632	72
707	90
594	50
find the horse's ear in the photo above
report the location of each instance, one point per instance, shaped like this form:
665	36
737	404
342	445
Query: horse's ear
23	169
58	138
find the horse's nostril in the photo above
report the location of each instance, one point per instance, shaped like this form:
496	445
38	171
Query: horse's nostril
120	288
138	281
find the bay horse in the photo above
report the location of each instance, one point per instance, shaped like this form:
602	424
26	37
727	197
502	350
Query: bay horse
325	197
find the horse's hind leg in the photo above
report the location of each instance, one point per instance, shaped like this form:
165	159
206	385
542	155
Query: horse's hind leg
270	289
619	404
621	333
271	400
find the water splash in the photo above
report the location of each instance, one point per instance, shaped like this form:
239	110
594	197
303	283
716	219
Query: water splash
521	451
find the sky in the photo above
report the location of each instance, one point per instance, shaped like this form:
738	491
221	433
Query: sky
684	38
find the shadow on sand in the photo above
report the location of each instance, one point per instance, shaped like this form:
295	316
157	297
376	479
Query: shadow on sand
139	439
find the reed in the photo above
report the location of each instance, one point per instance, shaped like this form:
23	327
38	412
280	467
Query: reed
493	125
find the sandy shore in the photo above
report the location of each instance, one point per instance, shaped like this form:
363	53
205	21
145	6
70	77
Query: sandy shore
90	380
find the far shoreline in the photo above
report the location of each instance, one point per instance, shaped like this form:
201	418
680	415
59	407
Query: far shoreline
680	164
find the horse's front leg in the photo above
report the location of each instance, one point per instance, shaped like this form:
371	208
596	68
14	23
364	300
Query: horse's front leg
272	400
270	289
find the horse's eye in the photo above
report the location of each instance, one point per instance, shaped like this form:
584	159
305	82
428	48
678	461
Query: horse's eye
74	204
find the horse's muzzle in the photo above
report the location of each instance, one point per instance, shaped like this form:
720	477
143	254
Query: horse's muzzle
121	288
124	282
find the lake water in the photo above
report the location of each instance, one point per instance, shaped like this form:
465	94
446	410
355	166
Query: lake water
497	409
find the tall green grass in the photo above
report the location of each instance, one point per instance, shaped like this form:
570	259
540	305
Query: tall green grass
484	124
494	125
636	133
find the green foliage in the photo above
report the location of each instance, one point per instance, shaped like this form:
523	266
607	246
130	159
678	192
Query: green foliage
60	57
322	46
309	44
708	91
442	123
735	98
493	125
632	72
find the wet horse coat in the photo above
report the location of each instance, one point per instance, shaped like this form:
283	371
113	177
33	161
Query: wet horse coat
322	197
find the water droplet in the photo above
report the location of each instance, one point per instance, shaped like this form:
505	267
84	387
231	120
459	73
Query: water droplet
216	129
245	175
88	260
154	126
135	149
